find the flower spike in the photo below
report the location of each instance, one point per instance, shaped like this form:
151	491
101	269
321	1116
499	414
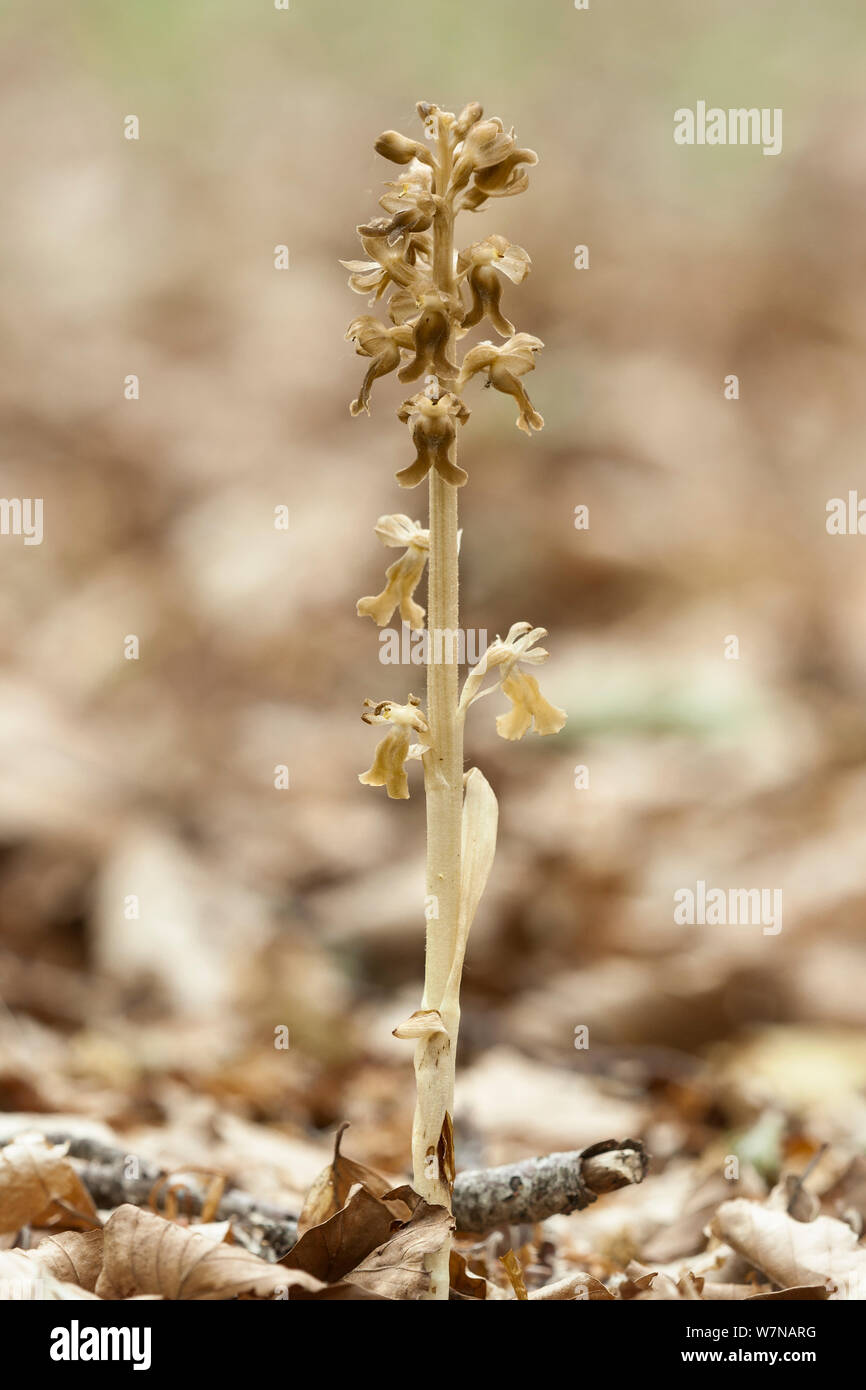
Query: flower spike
432	294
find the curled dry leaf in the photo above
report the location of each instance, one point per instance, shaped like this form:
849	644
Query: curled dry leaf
363	1239
578	1288
35	1179
398	1268
23	1278
515	1275
465	1283
421	1024
330	1192
145	1254
823	1252
332	1250
75	1257
804	1293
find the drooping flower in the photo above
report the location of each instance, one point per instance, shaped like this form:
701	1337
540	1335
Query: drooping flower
381	343
410	202
431	331
502	180
386	266
388	768
503	659
403	576
528	705
433	426
504	366
479	264
486	144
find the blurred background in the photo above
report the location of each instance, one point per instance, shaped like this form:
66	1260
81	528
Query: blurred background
154	777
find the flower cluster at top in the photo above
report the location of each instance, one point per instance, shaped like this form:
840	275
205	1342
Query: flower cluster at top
434	295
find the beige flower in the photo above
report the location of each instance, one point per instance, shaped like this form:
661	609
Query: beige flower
487	143
503	658
388	768
528	705
431	332
373	339
403	576
433	426
502	180
504	366
479	264
386	265
410	202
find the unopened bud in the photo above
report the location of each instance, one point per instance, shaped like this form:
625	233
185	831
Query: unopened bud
400	149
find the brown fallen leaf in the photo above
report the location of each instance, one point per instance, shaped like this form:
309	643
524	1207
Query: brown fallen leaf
35	1178
792	1253
515	1275
847	1195
332	1249
729	1293
465	1283
22	1278
397	1269
330	1192
805	1293
577	1288
145	1254
74	1257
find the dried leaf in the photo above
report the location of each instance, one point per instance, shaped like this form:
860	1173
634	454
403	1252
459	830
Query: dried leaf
578	1288
515	1275
34	1178
792	1253
22	1278
74	1257
804	1293
145	1254
331	1189
397	1269
422	1024
465	1282
333	1249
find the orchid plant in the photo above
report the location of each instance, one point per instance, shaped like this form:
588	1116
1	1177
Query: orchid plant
433	296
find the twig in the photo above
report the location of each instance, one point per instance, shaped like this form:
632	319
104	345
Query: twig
548	1186
529	1191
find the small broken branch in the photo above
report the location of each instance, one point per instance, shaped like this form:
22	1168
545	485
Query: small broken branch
554	1184
529	1191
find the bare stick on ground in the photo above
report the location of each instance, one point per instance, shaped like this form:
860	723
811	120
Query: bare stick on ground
528	1191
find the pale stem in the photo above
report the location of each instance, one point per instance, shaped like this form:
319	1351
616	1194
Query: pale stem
435	1055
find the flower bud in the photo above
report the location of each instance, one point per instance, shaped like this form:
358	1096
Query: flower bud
400	149
467	118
